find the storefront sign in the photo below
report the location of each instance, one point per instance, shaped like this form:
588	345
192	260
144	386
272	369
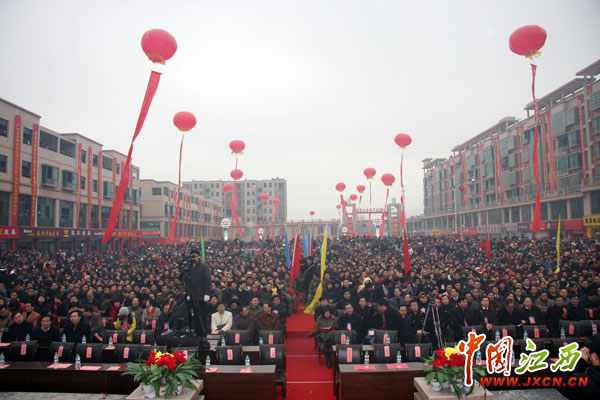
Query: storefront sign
9	232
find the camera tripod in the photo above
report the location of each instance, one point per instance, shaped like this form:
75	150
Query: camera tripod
437	326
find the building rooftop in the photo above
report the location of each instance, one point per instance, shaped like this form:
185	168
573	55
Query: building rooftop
78	135
557	95
501	126
19	107
591	70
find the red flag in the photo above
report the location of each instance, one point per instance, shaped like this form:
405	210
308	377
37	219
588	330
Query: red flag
173	229
295	262
124	182
406	255
488	247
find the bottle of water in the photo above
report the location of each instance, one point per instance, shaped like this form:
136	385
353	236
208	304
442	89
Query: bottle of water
386	338
513	360
497	335
347	340
562	332
27	338
478	357
260	340
77	362
55	358
110	341
247	362
525	334
594	329
64	338
208	361
398	358
83	339
1	359
223	341
366	358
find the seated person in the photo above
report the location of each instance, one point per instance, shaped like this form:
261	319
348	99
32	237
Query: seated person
126	322
267	320
46	333
222	320
5	317
588	368
324	327
94	320
20	328
76	329
166	321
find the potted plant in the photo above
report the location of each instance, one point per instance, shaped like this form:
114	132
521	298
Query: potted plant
166	373
447	365
141	374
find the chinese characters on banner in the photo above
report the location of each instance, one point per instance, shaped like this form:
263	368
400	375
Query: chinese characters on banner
16	172
34	173
79	148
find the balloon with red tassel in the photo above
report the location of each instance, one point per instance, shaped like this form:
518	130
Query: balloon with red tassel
237	148
527	41
159	46
184	121
388	180
370	174
403	140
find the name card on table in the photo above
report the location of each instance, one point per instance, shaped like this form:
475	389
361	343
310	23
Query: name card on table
115	337
246	370
270	338
364	367
126	352
143	338
237	338
272	352
571	329
23	349
417	351
536	333
91	368
114	368
4	366
211	369
88	352
349	355
59	366
396	366
386	351
4	344
229	354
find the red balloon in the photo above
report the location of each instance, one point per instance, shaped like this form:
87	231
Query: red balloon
388	179
360	188
264	196
340	187
353	197
159	45
228	187
527	40
338	206
276	201
236	174
403	140
461	188
369	173
237	146
311	213
184	121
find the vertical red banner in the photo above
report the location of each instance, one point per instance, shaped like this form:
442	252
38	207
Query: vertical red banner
499	191
34	173
463	161
131	195
520	160
100	188
16	172
582	139
79	148
89	187
545	150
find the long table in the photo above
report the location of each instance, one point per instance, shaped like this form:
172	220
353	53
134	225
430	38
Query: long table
381	383
35	376
227	382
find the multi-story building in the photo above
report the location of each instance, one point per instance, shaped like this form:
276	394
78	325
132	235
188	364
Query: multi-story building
56	190
488	184
250	207
197	215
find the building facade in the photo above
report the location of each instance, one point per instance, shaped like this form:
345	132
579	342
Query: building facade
197	215
56	190
488	184
251	209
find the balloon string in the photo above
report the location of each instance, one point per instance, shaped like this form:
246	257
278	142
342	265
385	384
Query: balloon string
537	215
173	230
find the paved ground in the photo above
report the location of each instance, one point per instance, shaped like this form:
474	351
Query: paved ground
536	394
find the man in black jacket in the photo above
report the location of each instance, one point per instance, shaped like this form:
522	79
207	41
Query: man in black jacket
575	312
20	328
198	286
554	315
76	329
588	368
351	322
46	333
530	314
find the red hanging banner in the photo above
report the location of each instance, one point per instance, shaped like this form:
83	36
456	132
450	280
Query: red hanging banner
79	148
536	226
173	230
118	201
34	173
406	252
520	160
552	151
235	217
89	187
16	172
100	188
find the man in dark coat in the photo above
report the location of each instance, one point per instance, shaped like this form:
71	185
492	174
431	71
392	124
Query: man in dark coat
554	315
351	321
575	312
20	328
76	329
588	368
198	286
46	333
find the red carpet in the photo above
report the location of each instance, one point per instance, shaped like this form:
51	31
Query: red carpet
306	378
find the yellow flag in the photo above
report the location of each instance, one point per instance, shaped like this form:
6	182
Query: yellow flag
557	270
315	301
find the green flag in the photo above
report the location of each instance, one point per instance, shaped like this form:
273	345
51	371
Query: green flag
202	247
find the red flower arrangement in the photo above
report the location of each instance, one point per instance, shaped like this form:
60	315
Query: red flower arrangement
447	366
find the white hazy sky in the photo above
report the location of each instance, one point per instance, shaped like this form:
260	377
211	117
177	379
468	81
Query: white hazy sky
317	89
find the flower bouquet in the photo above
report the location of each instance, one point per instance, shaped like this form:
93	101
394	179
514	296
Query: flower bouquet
447	365
167	373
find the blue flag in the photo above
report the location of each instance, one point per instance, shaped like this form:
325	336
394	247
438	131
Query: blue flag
288	263
304	253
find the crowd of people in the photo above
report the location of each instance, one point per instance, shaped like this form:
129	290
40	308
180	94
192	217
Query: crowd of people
364	287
